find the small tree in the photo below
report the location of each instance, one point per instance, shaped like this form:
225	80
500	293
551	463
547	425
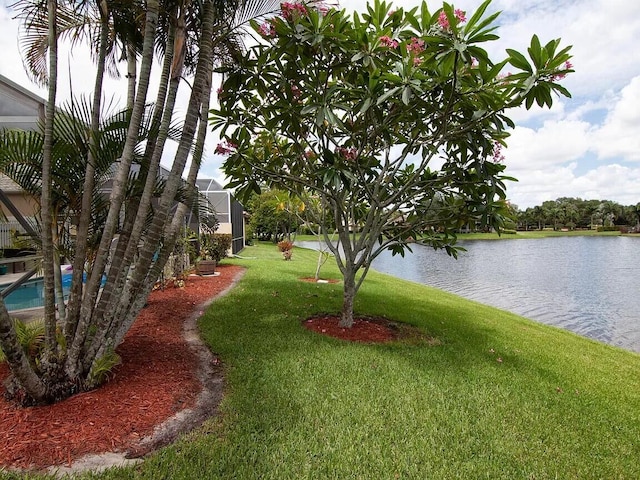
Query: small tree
393	118
270	219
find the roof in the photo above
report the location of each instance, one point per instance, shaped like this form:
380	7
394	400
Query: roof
7	185
208	185
21	89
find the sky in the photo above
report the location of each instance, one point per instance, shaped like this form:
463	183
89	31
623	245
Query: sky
587	146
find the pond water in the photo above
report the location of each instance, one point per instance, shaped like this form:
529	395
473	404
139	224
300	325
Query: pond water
589	285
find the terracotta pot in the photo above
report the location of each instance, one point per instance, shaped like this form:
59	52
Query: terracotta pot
206	267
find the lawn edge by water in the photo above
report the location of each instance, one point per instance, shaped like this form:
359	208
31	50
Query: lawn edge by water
500	397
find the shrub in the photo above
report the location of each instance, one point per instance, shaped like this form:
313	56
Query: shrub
30	336
285	245
214	246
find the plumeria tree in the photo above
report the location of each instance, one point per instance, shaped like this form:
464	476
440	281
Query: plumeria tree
394	119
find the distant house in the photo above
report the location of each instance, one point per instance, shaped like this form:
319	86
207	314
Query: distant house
229	211
20	108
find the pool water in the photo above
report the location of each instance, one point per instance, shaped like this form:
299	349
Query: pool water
31	294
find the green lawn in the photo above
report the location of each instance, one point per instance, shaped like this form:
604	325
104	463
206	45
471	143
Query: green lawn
499	397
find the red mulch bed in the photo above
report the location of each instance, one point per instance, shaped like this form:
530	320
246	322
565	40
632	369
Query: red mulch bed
364	329
156	379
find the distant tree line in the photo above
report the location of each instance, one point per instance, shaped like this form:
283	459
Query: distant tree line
575	213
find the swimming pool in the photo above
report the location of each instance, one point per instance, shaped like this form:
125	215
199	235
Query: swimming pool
31	293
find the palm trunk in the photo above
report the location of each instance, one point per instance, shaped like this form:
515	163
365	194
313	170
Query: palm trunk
199	95
132	65
171	233
134	292
73	366
128	245
75	295
17	360
47	217
58	276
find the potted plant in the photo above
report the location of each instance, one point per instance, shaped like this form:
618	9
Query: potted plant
213	248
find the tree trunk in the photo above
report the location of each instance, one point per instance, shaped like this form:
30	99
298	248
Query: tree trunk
346	318
132	296
132	64
130	238
74	363
75	295
17	360
58	277
47	215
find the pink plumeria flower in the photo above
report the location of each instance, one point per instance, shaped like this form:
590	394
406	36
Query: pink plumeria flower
497	156
416	46
322	8
225	148
291	10
267	30
388	42
347	153
443	21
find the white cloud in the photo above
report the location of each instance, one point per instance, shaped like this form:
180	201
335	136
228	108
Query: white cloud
619	136
606	182
554	144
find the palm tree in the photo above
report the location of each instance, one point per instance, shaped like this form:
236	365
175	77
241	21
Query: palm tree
190	37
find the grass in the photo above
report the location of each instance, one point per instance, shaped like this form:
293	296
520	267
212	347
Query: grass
536	234
299	405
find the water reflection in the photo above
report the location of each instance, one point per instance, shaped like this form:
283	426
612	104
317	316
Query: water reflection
588	285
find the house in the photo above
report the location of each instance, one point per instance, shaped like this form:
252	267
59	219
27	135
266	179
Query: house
20	108
229	212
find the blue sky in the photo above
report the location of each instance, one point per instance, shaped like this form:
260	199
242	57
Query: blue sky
587	146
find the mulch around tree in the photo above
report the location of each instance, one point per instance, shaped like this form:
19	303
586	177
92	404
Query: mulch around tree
364	329
368	329
158	377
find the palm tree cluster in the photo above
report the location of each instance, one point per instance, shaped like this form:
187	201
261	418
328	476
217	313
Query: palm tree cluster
127	237
576	213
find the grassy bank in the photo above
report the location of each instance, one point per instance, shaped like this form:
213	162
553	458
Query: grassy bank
497	397
536	234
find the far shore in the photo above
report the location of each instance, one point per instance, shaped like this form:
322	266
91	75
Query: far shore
520	234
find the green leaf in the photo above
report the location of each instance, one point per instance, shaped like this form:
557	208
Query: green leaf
560	89
535	52
365	105
518	60
476	16
383	98
406	95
